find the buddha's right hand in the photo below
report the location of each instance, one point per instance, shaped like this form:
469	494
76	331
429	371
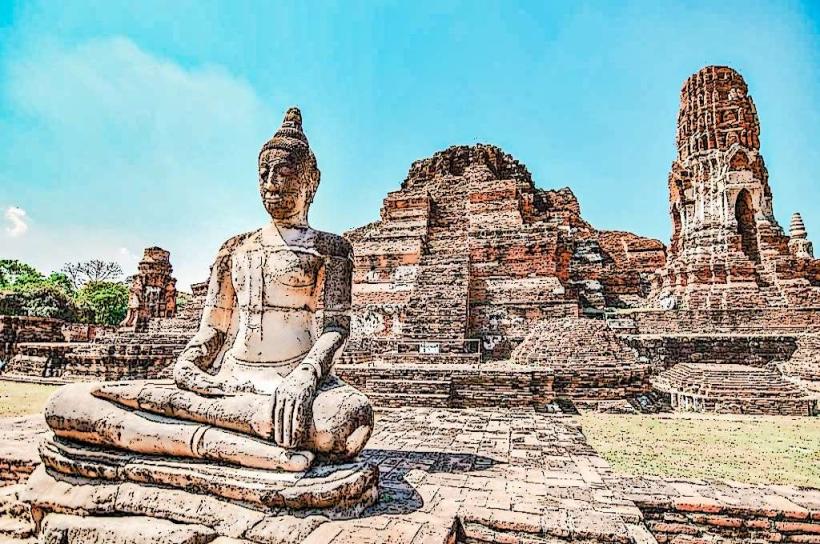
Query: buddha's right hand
189	376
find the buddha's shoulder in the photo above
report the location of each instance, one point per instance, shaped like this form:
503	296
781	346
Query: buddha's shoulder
331	245
230	245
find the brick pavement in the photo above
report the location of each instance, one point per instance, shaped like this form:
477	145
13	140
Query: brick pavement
517	476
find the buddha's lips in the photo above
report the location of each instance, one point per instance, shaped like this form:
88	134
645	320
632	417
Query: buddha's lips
278	198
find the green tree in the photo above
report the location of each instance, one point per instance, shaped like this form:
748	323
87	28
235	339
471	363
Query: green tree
183	299
104	301
15	275
61	281
12	303
91	271
47	300
26	291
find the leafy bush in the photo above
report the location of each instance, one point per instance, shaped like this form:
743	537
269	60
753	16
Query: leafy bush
15	275
39	300
45	300
12	303
183	299
104	301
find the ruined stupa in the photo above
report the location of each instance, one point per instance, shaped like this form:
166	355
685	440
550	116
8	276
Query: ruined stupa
470	251
799	243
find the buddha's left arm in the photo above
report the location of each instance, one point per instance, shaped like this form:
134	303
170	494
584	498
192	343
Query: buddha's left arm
335	325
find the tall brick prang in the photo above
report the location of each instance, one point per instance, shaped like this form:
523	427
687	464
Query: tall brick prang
727	249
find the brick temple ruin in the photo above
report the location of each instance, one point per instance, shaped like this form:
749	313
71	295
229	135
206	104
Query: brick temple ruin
477	291
476	288
727	249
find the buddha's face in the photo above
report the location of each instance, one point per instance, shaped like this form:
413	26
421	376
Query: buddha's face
282	185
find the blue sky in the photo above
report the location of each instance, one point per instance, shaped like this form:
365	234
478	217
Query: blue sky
129	124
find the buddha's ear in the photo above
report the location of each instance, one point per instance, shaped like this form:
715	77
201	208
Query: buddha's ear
312	177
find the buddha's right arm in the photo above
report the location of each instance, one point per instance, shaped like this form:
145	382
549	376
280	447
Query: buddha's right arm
192	365
190	369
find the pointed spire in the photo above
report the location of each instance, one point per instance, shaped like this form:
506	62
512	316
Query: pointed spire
290	135
797	229
292	126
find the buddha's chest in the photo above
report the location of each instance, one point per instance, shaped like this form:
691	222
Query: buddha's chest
276	277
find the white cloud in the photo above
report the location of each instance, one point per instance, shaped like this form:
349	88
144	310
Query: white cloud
119	149
16	220
127	255
48	250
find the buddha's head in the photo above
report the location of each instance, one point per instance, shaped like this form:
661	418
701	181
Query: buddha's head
288	174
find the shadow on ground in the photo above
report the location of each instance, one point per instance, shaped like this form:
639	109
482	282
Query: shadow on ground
396	494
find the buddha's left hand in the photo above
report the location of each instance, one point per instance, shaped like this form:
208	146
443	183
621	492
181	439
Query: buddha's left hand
291	406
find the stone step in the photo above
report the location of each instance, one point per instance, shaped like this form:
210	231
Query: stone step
422	387
124	529
401	400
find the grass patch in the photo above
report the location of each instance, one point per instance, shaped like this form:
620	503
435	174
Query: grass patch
20	399
748	449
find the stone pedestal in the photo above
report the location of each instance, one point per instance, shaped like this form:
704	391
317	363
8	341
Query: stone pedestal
79	488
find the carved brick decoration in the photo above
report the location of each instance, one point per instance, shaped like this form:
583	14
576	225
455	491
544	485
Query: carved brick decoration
727	249
153	291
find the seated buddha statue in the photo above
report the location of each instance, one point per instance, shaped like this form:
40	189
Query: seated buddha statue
254	386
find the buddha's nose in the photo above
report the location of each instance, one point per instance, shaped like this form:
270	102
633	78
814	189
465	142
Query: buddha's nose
271	184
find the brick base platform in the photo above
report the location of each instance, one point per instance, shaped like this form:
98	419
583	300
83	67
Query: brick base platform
479	476
733	389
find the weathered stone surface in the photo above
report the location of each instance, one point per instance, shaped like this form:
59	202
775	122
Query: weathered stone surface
15	330
723	512
15	516
19	437
343	485
587	358
452	385
60	528
513	474
732	388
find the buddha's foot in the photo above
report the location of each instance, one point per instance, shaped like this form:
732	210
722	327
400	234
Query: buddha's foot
218	445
